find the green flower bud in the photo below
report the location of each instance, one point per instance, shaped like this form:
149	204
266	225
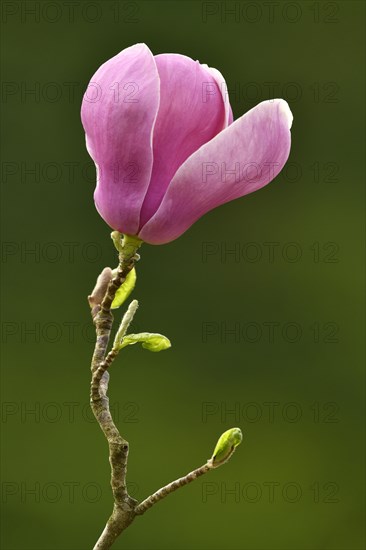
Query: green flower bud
225	447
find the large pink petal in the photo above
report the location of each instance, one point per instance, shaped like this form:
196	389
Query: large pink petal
243	158
118	113
191	113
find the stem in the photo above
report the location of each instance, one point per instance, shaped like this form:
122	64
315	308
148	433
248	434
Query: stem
123	509
170	488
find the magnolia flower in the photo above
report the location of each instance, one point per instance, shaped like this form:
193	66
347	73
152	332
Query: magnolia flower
161	133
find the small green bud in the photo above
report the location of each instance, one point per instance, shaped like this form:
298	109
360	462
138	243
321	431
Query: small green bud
225	447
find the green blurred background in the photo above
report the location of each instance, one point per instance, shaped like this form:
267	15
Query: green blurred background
268	338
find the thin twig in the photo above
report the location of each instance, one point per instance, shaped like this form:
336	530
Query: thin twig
170	488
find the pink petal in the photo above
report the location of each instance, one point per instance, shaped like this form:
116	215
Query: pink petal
254	148
191	113
221	83
118	113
